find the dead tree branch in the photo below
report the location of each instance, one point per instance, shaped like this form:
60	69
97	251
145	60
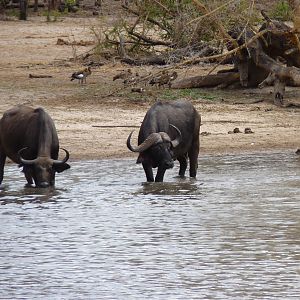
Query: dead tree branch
40	76
211	12
136	13
148	40
223	79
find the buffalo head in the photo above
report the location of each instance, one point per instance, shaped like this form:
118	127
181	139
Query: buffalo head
43	168
157	149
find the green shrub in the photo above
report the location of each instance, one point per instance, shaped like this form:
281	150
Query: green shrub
282	11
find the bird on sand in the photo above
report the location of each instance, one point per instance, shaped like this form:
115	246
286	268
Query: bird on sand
123	75
127	76
81	75
165	78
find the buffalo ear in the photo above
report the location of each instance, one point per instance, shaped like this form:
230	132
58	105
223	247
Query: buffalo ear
61	167
144	158
140	158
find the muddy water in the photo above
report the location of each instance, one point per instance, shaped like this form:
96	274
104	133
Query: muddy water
103	234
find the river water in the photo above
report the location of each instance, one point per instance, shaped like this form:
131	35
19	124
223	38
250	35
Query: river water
103	233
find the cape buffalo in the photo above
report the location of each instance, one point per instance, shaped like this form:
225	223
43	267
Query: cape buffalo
170	131
28	137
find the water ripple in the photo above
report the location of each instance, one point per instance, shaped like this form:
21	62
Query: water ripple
103	233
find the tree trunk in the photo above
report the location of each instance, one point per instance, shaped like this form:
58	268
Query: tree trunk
220	79
264	60
36	4
49	11
23	10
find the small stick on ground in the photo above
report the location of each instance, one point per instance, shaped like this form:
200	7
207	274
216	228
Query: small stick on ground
116	126
40	76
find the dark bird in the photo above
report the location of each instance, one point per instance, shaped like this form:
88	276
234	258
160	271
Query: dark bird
173	76
157	80
127	76
123	75
133	79
81	75
165	78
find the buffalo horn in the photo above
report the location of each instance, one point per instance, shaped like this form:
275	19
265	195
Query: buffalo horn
165	136
178	139
152	139
59	162
26	161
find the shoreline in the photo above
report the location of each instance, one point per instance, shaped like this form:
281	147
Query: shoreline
245	152
77	108
201	154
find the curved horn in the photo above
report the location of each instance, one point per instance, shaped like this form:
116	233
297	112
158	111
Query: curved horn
26	161
59	162
178	139
165	136
152	139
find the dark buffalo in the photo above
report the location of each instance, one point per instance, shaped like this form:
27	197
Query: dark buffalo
170	131
28	137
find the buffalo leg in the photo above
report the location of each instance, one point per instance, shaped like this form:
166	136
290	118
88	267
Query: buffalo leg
28	178
160	174
148	172
183	165
28	175
193	156
2	163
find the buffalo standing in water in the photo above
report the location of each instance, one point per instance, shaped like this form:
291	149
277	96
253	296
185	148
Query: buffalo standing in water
170	131
29	138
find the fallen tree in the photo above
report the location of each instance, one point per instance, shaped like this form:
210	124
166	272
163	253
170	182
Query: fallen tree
271	58
174	33
220	80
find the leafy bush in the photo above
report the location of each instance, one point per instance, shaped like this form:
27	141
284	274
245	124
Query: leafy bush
167	25
3	4
282	11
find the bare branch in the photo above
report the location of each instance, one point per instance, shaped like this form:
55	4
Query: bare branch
222	30
150	41
136	13
211	12
227	54
164	7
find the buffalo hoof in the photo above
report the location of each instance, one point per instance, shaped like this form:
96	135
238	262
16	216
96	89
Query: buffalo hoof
44	185
248	130
235	130
28	185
